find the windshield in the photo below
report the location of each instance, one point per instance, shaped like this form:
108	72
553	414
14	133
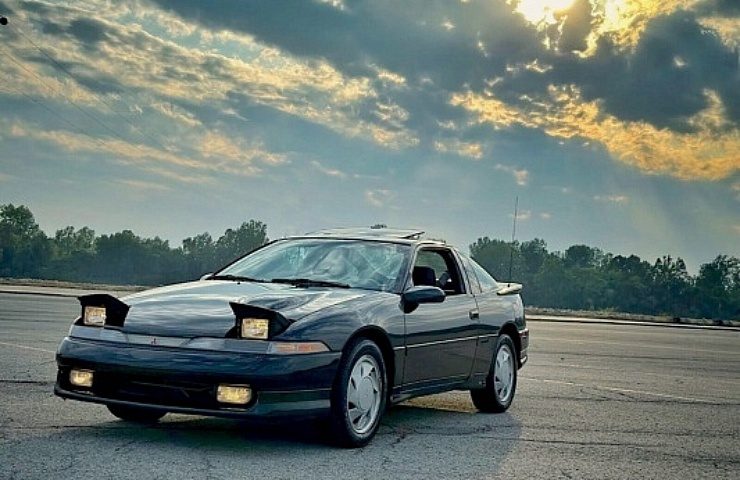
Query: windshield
354	263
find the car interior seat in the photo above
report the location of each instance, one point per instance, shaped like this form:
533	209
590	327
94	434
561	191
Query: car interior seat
424	276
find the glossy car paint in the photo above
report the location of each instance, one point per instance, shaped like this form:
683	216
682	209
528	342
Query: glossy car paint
179	336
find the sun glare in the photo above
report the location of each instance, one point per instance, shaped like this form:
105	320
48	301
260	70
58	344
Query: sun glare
538	11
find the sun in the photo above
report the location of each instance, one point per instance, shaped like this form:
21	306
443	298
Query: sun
539	11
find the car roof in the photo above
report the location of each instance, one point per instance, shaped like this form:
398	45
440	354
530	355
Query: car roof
371	232
397	235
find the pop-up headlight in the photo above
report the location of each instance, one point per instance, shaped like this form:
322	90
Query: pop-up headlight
93	316
258	323
101	310
256	328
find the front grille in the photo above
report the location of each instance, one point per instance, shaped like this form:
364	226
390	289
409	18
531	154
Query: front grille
156	390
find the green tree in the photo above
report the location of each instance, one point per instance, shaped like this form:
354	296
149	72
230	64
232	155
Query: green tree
73	254
235	243
718	288
200	255
629	281
499	258
672	287
582	256
24	248
68	241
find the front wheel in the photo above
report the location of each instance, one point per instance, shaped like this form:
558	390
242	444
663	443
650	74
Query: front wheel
136	414
497	395
358	397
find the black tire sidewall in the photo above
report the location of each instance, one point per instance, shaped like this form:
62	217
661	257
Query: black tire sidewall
504	339
486	399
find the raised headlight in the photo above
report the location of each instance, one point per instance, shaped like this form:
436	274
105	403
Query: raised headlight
255	328
94	316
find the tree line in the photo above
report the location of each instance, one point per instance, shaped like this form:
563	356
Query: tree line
580	278
79	255
586	278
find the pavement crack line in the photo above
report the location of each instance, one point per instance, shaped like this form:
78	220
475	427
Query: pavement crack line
41	383
627	392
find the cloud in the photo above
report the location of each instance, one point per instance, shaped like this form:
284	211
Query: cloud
665	100
563	113
520	175
144	186
329	172
379	198
472	150
736	188
616	199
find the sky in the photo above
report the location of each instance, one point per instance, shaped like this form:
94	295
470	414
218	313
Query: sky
608	123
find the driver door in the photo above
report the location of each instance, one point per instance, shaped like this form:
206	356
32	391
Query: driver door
441	338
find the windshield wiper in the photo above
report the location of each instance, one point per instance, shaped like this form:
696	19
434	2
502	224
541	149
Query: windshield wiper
236	278
307	282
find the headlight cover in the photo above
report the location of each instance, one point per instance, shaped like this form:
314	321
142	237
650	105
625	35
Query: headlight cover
102	310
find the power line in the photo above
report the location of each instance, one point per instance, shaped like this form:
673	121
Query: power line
66	71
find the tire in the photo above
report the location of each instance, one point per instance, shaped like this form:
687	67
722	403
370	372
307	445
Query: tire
136	414
497	395
359	394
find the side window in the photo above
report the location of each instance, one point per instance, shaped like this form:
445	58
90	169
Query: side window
437	267
487	283
472	278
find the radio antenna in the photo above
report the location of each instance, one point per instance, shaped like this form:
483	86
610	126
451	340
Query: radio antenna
513	236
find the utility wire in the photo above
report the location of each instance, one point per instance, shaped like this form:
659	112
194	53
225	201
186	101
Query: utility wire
59	92
66	71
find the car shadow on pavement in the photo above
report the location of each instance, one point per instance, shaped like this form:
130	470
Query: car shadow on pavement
400	423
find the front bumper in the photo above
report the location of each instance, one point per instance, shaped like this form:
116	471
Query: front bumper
185	380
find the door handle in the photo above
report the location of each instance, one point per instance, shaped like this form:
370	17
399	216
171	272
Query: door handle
474	314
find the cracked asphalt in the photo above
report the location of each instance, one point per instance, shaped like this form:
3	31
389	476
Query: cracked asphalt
595	401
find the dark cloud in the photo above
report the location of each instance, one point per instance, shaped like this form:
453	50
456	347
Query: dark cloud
439	47
576	27
676	60
664	79
5	10
89	33
725	8
482	38
447	47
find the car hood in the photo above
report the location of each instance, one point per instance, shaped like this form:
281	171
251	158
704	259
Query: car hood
203	308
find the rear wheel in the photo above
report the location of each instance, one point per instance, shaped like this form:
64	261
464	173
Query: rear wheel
358	397
136	414
497	395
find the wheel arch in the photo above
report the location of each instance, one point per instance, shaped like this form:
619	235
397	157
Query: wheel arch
513	332
380	338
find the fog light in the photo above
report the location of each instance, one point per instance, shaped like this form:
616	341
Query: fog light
81	378
236	394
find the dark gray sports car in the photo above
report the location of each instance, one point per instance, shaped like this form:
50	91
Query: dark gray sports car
334	324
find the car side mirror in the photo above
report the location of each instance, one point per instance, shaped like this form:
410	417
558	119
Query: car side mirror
414	296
